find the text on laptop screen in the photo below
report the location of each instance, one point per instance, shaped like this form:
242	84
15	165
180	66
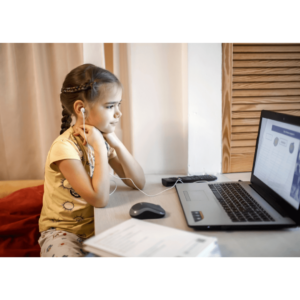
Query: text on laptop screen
278	159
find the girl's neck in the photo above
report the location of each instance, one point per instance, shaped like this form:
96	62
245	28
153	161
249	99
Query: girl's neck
77	124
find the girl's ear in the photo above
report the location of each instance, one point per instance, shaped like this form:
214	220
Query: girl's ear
77	106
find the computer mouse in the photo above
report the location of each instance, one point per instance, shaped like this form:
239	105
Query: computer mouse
144	210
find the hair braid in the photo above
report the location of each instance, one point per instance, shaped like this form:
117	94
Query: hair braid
65	121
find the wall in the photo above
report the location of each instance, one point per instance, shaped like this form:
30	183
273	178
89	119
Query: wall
204	108
158	80
173	99
116	71
93	53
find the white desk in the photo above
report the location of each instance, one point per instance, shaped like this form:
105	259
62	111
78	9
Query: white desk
266	243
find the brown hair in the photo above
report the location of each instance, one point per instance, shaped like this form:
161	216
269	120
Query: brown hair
83	83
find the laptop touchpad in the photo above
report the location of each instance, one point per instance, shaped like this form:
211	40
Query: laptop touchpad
195	196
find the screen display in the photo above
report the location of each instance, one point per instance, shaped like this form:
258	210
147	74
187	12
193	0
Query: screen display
278	159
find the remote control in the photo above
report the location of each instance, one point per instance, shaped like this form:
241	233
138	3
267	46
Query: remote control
187	179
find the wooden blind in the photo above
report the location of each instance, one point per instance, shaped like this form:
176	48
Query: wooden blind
255	77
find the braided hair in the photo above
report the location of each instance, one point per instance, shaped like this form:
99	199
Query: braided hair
83	83
65	121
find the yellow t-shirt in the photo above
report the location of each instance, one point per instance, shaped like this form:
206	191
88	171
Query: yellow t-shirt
63	208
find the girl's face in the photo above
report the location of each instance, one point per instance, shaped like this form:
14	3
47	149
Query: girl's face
105	114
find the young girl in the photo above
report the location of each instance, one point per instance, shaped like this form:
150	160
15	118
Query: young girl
77	177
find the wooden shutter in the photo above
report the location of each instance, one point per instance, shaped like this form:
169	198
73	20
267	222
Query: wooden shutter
255	77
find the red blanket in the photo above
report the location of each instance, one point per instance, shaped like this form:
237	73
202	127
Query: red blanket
19	217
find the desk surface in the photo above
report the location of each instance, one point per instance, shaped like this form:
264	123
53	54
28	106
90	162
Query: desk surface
263	243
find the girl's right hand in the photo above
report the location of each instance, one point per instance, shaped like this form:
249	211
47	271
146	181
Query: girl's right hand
93	135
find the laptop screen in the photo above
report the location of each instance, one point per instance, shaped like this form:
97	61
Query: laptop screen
277	161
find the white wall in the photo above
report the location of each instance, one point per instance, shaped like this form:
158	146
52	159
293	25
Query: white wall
159	106
116	71
204	108
93	53
175	105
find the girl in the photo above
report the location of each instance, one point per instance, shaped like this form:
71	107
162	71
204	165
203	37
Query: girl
77	174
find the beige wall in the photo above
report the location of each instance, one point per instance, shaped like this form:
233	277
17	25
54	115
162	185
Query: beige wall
158	106
205	108
171	105
93	53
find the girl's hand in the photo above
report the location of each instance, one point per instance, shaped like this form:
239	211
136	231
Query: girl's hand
112	139
93	135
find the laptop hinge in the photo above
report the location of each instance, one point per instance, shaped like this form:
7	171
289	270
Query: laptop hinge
275	205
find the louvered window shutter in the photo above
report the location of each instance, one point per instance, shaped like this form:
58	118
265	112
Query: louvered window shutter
255	77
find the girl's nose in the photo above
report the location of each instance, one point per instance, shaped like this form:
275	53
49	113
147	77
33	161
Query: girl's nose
118	114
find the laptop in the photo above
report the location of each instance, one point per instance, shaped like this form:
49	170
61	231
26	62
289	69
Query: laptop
270	200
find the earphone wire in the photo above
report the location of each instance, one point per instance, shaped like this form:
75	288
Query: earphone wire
115	187
141	190
119	177
87	144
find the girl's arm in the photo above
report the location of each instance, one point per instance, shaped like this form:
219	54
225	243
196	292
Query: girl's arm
101	180
124	164
94	190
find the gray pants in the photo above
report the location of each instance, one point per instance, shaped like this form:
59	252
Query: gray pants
61	244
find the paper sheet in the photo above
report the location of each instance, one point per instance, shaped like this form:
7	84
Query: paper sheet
141	238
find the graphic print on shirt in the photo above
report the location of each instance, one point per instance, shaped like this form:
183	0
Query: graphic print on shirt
74	194
79	218
66	185
68	205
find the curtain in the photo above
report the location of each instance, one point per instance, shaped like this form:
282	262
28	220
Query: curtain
31	76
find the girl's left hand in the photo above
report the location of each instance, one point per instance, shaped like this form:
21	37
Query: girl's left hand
112	139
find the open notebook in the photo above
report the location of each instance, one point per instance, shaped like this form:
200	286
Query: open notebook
136	238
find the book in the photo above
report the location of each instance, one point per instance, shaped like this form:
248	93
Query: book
137	238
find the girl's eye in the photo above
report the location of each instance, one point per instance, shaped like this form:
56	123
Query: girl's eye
111	106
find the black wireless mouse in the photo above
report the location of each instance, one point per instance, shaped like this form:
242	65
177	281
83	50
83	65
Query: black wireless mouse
144	210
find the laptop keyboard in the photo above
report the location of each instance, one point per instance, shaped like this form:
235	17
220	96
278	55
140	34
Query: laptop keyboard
238	204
